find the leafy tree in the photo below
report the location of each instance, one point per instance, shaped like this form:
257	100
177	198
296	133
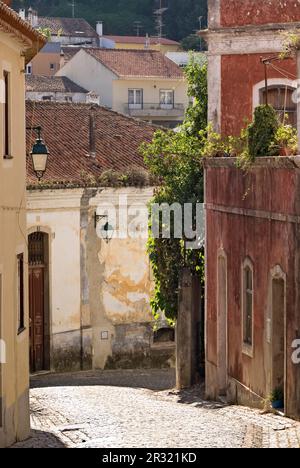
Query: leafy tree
175	158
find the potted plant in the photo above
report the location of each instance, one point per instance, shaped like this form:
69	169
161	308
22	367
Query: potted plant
277	398
285	141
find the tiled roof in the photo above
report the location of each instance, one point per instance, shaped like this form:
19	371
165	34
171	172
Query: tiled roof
11	23
141	40
75	27
54	84
66	131
136	63
69	52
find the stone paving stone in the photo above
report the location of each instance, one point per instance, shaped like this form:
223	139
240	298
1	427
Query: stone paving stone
137	409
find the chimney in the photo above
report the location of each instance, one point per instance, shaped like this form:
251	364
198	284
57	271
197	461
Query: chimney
22	13
99	28
92	125
33	17
147	42
62	59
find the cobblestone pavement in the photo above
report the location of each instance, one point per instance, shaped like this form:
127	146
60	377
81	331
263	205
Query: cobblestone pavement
124	409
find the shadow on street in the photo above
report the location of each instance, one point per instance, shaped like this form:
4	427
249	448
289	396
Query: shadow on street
151	379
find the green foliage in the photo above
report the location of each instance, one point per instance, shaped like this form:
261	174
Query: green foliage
175	158
196	116
181	18
193	42
285	141
291	44
262	131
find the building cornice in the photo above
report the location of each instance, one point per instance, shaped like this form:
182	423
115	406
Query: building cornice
267	38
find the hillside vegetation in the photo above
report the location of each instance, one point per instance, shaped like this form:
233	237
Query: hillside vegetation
119	16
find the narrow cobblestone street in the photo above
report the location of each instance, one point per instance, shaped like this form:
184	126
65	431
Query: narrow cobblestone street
121	409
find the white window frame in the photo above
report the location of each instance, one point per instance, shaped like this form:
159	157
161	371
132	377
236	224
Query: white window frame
135	104
271	82
166	105
247	348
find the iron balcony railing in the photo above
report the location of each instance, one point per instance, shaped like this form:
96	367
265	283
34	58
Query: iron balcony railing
154	107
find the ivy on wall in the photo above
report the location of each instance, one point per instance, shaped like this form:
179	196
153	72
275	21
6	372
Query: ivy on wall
175	158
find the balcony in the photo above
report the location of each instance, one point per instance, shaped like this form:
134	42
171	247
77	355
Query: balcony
153	110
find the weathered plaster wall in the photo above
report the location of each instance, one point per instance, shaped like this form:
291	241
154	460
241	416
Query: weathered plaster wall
244	12
268	240
120	286
99	292
14	374
58	213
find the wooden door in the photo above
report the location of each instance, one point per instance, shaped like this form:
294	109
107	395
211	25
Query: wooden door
36	311
37	302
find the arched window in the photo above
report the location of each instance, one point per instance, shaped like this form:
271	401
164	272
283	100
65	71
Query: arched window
281	98
247	307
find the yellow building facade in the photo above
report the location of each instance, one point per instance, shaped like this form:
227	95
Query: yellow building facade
18	44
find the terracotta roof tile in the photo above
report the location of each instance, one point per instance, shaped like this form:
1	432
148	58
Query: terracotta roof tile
66	131
69	52
54	84
132	63
75	27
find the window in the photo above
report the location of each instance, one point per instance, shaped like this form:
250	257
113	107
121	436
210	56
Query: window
248	305
135	98
29	69
47	98
166	99
52	66
21	309
68	99
6	116
281	98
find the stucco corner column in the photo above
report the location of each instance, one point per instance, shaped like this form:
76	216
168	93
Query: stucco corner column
298	99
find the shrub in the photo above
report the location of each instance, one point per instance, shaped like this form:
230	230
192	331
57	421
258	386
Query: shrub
261	133
285	139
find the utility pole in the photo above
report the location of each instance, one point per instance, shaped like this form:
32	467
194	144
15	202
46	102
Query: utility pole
73	5
159	20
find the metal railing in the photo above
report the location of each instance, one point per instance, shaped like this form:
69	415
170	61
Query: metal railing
146	106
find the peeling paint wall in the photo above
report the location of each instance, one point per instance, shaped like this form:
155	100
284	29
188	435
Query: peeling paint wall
237	40
120	289
244	12
100	292
253	220
58	214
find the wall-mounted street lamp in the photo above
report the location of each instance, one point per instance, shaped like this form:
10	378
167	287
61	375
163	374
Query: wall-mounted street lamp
107	231
39	154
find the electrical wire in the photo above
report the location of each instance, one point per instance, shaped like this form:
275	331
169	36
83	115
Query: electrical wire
283	72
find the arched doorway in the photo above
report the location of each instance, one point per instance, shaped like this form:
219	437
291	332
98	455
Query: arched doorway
38	258
279	335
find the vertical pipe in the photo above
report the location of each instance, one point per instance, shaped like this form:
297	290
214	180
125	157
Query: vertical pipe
266	83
